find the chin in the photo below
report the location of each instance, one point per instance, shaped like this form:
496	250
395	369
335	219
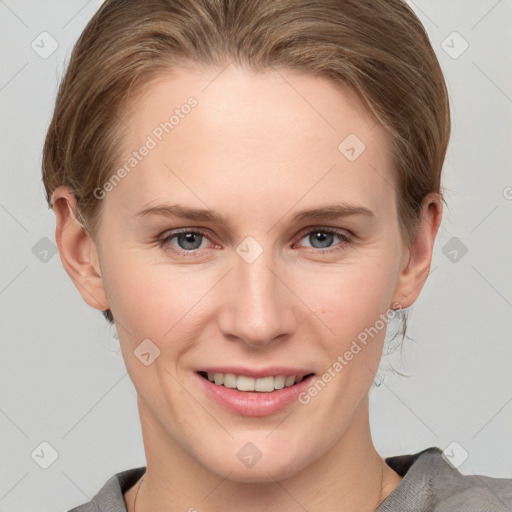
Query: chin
267	469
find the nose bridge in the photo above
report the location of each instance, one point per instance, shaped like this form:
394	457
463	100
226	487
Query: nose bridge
260	308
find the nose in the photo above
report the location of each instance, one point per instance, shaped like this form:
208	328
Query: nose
259	306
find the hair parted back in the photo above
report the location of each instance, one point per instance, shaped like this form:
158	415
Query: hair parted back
378	48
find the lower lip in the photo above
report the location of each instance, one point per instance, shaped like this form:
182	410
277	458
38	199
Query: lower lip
254	403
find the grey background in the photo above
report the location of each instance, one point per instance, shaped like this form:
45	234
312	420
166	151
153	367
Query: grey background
63	377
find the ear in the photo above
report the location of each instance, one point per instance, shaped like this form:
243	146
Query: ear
77	250
416	270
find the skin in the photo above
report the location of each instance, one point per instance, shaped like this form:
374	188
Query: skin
257	148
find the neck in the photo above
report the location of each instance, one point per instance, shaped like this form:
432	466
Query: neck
351	476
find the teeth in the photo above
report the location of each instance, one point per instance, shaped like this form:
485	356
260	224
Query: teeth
244	383
289	381
279	382
229	380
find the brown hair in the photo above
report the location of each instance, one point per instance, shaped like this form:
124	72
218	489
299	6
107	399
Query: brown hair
378	48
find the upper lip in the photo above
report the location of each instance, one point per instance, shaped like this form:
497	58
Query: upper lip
256	373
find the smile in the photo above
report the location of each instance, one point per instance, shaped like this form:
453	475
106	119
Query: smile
253	396
246	383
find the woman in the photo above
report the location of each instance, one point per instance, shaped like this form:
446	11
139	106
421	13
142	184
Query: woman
250	191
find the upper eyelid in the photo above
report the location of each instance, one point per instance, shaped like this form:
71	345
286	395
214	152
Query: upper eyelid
204	232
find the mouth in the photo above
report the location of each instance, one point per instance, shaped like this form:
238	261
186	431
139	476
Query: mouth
256	385
249	391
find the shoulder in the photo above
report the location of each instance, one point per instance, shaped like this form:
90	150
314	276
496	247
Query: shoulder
110	497
430	482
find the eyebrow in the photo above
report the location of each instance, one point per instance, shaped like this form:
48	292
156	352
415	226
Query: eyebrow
333	211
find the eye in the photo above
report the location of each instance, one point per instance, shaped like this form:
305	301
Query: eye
324	237
188	240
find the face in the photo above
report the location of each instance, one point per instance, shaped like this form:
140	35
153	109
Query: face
251	284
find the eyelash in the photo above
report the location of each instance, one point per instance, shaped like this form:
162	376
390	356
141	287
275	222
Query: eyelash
164	242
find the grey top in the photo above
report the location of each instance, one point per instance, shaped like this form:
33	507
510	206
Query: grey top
430	483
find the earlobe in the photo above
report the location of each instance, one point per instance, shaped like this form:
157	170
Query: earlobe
77	250
414	275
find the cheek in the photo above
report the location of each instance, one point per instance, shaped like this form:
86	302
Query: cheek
350	298
157	301
353	304
130	294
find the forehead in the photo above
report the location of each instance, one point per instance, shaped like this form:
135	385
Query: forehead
281	102
229	133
